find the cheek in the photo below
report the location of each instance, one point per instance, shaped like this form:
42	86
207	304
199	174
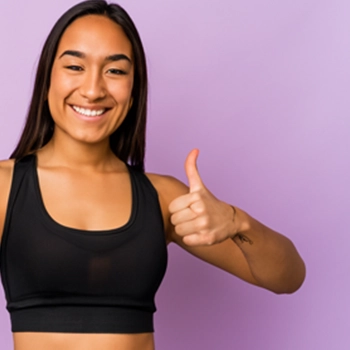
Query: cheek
122	91
56	94
60	84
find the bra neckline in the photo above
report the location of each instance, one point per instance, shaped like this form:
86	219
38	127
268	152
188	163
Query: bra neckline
49	220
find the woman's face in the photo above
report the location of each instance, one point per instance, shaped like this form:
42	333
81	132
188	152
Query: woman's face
91	80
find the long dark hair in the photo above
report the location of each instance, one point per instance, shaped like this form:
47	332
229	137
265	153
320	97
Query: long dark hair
128	141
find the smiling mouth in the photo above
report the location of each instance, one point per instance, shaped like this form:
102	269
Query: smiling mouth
89	112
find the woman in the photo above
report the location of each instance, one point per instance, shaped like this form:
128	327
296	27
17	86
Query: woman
84	229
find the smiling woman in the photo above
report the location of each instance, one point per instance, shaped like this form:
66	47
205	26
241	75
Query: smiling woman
85	229
91	80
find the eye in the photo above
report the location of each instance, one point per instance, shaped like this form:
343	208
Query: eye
116	71
74	68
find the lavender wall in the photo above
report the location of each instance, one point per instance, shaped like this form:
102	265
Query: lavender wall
261	87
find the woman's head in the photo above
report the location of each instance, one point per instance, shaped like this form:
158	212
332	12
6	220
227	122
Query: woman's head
128	141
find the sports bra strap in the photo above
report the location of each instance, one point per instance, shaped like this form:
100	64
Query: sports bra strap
20	168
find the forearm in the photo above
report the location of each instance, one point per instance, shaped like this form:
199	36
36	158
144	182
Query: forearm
273	260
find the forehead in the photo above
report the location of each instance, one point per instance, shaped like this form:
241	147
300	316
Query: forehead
95	35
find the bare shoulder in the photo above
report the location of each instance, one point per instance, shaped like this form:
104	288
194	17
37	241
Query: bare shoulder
6	170
168	187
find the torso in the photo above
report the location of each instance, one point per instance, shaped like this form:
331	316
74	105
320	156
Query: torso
90	196
57	341
98	206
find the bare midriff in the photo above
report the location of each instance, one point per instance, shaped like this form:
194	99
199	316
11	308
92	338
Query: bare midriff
65	341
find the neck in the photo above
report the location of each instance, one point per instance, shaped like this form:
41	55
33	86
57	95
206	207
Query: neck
79	155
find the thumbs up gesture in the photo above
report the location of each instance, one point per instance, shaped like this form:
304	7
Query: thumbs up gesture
198	216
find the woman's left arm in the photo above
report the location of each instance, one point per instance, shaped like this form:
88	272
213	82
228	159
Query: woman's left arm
227	237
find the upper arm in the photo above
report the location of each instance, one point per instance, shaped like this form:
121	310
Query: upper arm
6	170
225	255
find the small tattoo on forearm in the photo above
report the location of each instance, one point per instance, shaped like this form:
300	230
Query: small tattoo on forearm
244	239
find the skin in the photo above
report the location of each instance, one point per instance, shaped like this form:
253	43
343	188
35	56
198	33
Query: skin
95	184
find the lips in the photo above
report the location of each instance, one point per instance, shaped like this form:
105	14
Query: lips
87	112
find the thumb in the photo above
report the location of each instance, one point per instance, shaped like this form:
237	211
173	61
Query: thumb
194	180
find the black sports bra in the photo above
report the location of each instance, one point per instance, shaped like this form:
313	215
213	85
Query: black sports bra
59	279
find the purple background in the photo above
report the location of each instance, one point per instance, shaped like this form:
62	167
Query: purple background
261	87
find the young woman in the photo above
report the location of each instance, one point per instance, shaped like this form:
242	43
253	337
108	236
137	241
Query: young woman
84	229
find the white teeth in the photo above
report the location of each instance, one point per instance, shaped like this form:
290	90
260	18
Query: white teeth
89	112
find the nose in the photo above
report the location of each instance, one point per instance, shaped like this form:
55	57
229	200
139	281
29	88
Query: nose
93	87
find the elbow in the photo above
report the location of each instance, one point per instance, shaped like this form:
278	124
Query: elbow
286	290
293	283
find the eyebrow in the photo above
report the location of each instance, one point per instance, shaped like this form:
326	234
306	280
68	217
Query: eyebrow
111	58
